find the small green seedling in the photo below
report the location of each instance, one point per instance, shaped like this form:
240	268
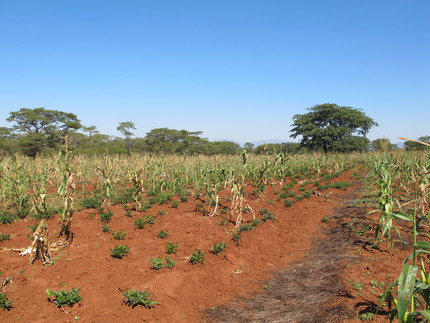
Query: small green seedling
134	298
119	251
217	248
4	302
197	257
64	297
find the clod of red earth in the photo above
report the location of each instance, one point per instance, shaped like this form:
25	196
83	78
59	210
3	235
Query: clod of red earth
185	291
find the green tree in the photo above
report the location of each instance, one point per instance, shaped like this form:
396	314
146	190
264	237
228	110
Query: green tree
333	128
40	129
125	127
413	145
224	147
249	147
175	141
6	137
382	144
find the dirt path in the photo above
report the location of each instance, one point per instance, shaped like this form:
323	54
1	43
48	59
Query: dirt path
309	290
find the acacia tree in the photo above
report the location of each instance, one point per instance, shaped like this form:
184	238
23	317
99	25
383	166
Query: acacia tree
333	128
414	145
39	129
124	128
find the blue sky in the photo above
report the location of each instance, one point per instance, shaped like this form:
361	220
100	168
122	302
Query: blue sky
235	70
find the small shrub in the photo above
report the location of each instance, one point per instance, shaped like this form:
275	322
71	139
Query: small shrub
255	222
149	219
184	199
268	216
34	227
302	188
307	195
6	218
341	185
120	235
325	219
156	263
164	197
197	257
224	210
163	234
105	228
106	216
175	204
236	238
172	248
4	236
245	227
64	297
134	298
169	263
90	203
288	203
139	223
4	302
217	248
119	251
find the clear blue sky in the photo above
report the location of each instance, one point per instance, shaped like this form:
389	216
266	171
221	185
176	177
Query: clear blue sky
235	70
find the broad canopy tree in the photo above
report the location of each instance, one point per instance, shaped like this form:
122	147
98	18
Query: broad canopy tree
333	128
39	128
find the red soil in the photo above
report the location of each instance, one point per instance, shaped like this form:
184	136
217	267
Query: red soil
182	292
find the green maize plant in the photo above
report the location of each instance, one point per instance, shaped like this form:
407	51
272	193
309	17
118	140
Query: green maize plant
413	293
18	181
386	173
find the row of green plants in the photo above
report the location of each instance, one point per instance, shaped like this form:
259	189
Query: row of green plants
402	182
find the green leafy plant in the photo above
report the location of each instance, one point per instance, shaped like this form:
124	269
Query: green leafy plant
174	204
90	203
163	234
172	248
156	263
169	263
139	223
266	215
4	236
255	222
120	251
288	203
236	238
197	257
120	235
4	302
217	248
105	228
134	298
245	227
106	216
325	219
64	297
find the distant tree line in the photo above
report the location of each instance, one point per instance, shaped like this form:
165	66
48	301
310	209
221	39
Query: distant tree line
39	131
326	128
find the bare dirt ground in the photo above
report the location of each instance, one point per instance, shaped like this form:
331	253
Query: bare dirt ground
265	278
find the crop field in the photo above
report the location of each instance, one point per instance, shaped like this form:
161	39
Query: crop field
223	238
